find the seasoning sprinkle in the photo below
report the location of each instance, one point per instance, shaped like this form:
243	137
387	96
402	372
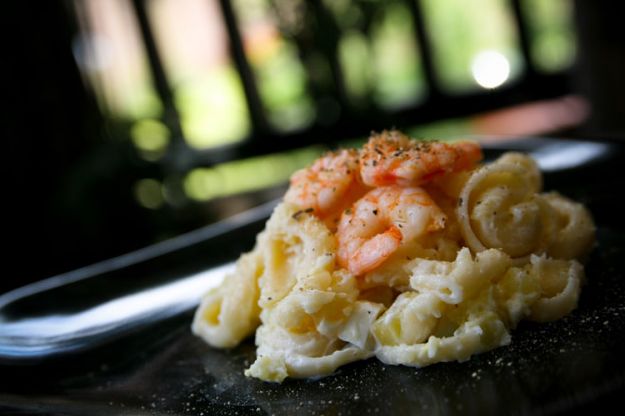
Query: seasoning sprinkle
298	214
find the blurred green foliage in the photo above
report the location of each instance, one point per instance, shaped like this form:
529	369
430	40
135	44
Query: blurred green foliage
212	108
280	74
398	72
251	174
459	30
552	39
287	44
378	54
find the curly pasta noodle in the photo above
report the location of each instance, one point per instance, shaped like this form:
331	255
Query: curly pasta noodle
506	252
574	233
499	207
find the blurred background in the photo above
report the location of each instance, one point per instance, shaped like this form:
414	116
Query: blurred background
132	121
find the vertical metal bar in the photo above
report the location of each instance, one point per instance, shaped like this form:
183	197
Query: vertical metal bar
170	116
254	103
425	47
524	42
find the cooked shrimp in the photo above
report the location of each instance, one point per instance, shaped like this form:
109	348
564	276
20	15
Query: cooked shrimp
381	222
391	158
331	184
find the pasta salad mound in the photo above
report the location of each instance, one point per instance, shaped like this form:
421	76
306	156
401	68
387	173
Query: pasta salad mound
410	251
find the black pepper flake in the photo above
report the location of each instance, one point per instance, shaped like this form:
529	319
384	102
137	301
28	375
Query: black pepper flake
459	201
348	211
300	212
375	212
374	163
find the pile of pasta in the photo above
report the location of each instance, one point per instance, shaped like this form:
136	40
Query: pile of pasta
507	252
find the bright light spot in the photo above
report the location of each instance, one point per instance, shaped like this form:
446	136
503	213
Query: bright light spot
150	137
490	69
212	109
149	193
